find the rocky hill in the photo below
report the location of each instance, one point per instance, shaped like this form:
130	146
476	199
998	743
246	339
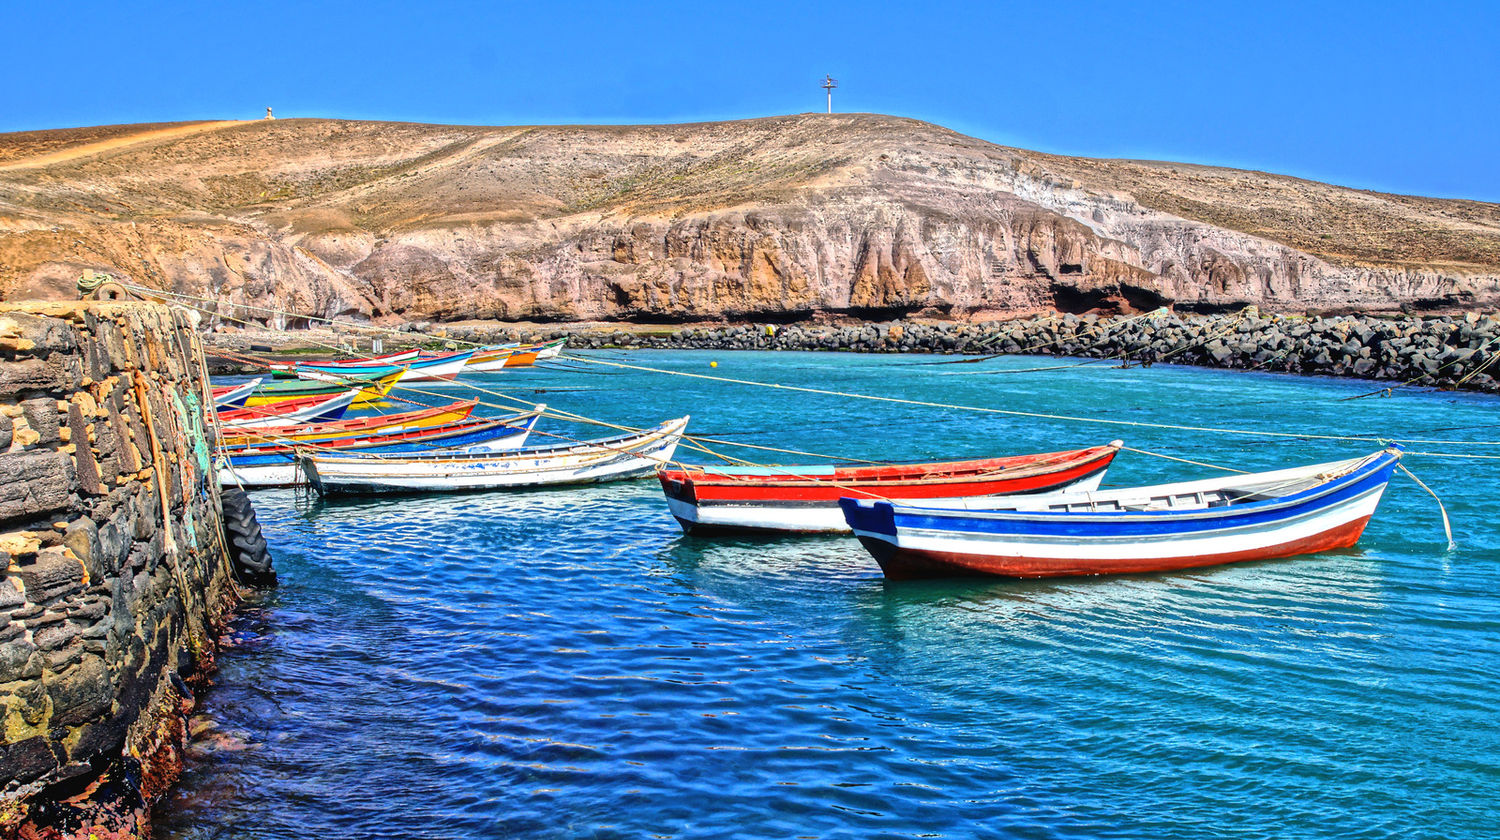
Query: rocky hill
768	219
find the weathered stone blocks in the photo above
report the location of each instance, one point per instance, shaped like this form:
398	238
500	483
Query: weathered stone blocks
38	483
99	612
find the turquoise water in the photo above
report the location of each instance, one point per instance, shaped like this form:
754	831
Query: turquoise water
564	663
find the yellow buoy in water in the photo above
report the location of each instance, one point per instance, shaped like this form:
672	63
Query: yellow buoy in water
713	364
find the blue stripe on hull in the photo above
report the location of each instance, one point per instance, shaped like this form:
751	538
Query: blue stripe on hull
455	442
884	518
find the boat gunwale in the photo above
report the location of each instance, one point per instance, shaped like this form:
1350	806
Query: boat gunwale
1358	469
642	439
423	433
355	425
959	471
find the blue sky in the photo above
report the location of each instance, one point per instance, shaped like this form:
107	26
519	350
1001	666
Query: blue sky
1386	96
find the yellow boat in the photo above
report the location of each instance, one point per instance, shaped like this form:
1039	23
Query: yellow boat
372	393
381	424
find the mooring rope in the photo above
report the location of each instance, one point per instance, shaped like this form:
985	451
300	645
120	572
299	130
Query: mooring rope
852	395
1029	414
1447	528
1182	460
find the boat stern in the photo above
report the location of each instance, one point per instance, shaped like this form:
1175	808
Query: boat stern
309	469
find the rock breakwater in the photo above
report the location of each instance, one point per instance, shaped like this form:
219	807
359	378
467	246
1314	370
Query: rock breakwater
1447	351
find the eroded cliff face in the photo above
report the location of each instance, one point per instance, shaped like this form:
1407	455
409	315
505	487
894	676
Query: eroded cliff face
768	219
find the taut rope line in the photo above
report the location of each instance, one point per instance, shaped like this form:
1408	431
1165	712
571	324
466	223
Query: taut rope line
1029	414
827	392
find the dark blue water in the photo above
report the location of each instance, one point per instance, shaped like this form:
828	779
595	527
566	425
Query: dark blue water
565	663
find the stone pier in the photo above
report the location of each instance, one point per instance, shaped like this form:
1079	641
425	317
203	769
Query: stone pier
116	578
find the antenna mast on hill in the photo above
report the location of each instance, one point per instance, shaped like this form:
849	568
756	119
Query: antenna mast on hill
829	83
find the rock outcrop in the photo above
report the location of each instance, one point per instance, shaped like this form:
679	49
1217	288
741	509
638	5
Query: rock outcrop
772	219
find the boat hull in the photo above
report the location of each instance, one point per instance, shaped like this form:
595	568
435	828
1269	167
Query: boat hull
279	468
360	426
291	413
234	398
719	517
487	359
444	367
377	390
804	499
439	369
911	542
614	459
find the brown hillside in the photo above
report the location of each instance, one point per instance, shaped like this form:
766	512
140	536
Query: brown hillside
775	217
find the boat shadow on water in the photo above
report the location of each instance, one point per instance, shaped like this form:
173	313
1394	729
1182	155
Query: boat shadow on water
820	558
1275	593
521	502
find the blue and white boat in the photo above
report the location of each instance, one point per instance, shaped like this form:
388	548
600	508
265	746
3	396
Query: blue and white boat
275	464
1141	529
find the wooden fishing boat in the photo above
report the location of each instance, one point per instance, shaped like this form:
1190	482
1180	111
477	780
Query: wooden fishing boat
275	464
608	459
377	389
234	396
443	366
1140	529
376	424
522	356
490	358
500	356
291	413
289	369
551	349
805	498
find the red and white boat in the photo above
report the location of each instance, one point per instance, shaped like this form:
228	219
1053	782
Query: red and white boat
805	499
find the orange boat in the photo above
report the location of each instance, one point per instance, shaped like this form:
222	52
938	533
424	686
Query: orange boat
376	424
486	359
523	356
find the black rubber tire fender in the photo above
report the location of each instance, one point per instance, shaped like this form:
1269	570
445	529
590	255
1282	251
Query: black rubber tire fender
249	554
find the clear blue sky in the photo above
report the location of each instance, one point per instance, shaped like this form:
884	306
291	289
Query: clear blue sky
1395	97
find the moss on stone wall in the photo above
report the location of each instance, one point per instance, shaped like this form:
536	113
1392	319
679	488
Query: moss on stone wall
115	575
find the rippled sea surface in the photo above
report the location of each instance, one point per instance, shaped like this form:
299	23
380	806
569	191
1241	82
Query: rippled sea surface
565	663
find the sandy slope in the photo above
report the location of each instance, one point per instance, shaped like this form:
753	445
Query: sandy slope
115	142
771	218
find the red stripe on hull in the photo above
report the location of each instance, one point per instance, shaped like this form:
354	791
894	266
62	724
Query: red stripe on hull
830	489
909	564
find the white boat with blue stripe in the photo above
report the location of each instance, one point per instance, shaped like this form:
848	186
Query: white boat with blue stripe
631	455
1142	529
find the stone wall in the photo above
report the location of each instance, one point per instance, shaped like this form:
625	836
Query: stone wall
116	576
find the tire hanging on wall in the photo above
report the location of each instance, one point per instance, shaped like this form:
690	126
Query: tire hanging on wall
248	552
